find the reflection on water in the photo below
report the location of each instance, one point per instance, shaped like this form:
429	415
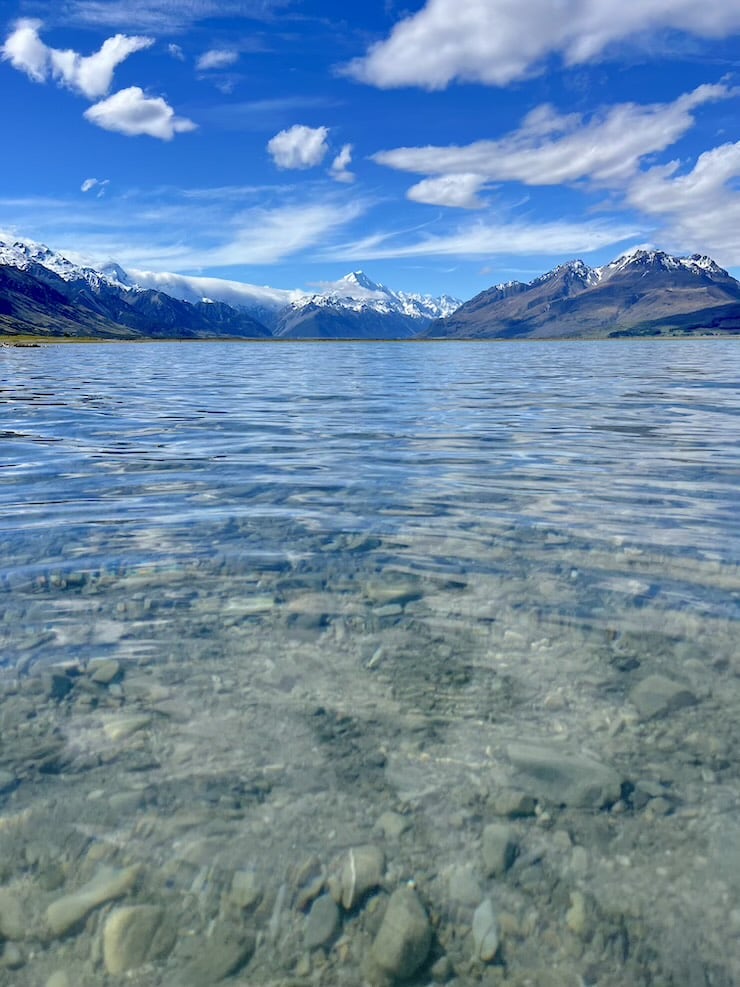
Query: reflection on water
370	663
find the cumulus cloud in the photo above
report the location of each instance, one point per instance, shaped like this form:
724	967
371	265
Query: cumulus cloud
499	41
700	210
90	75
339	170
553	149
216	58
449	190
132	113
299	147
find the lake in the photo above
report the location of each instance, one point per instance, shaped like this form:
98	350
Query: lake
370	663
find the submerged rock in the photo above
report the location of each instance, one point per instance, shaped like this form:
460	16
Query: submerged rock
499	849
657	695
405	935
486	937
136	935
560	776
362	871
322	922
63	914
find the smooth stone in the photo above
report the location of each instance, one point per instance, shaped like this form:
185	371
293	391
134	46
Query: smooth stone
245	889
58	978
123	727
104	672
12	921
7	781
393	825
405	935
464	887
513	805
485	932
362	871
225	951
657	696
12	956
136	935
499	849
322	922
388	592
575	917
560	776
107	885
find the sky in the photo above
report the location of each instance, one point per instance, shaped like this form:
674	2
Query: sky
440	146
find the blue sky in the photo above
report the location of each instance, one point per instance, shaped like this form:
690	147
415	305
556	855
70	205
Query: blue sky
441	146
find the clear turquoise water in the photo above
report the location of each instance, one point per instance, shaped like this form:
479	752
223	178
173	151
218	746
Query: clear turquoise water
494	540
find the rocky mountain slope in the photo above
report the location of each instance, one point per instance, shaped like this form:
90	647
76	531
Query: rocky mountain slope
43	293
128	304
644	292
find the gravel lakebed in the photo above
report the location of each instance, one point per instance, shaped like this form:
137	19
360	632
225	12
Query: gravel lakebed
362	764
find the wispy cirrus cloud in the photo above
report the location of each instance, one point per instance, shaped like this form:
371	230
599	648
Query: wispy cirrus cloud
489	239
553	149
217	58
497	42
188	230
167	16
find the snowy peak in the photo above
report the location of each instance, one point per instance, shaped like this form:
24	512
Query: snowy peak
25	253
573	271
641	259
358	279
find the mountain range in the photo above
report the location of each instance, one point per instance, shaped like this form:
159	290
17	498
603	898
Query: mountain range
44	293
643	292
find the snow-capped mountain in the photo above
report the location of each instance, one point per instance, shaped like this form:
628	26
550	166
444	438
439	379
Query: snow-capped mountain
358	307
354	306
642	292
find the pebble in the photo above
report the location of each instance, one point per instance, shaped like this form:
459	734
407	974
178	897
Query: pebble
393	825
107	885
125	726
58	978
560	776
136	935
658	695
12	921
322	922
226	950
575	917
405	935
486	937
104	672
7	781
361	872
463	886
513	805
245	889
12	956
499	849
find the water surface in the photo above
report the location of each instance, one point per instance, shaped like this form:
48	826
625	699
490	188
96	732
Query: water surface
348	580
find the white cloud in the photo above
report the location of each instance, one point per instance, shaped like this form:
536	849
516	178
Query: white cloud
339	170
299	147
132	113
552	149
171	229
449	190
95	183
701	209
166	16
498	41
483	239
176	52
216	58
89	75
